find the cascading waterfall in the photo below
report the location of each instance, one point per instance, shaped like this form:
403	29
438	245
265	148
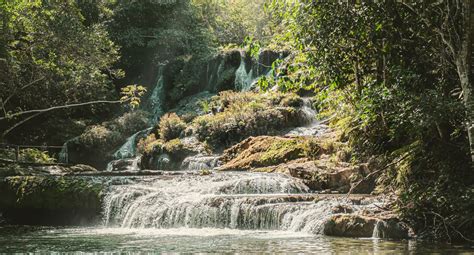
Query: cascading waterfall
156	97
128	149
237	200
200	162
243	79
313	126
63	154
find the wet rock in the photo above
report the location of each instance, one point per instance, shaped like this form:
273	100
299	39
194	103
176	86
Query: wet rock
80	168
351	225
200	162
391	228
129	164
342	209
348	225
172	154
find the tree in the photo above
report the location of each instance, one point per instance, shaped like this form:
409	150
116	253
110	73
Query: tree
51	55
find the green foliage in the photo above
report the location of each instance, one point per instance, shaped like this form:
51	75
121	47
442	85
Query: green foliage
53	54
230	22
171	126
173	146
240	115
149	144
35	156
281	151
253	47
381	71
164	30
132	94
104	137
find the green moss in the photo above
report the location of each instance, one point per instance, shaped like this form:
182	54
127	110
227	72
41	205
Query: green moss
40	192
283	150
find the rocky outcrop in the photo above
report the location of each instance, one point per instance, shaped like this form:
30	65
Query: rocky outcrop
320	167
170	155
50	200
97	144
347	225
261	151
320	175
352	225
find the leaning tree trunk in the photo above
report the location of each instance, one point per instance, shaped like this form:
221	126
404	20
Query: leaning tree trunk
464	64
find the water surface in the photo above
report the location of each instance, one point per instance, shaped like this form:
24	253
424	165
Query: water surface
23	239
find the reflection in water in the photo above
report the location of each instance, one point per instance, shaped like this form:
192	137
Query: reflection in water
113	240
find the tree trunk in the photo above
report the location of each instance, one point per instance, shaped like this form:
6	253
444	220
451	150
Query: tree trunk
464	65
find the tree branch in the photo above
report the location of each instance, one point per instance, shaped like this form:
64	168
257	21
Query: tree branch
62	107
19	124
24	87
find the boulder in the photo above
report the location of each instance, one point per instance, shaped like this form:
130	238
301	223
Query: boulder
391	228
353	225
350	225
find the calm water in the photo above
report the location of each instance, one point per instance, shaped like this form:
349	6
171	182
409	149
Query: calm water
20	239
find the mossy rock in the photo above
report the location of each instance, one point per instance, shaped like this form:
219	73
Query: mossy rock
48	200
263	151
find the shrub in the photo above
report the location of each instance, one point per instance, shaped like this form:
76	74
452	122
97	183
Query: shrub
242	115
131	122
312	148
291	100
171	126
35	156
99	137
173	146
148	144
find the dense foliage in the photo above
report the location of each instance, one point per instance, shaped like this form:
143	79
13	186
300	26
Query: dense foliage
51	55
387	74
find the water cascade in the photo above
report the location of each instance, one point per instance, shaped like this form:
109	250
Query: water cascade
312	127
200	162
128	149
236	200
157	96
244	79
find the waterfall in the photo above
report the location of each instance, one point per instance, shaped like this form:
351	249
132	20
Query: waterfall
128	149
243	79
312	126
237	200
156	97
63	155
200	162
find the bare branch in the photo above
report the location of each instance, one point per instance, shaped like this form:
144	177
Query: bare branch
22	88
62	107
19	124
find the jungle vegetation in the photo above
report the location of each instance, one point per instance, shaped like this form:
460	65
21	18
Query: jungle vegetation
394	77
